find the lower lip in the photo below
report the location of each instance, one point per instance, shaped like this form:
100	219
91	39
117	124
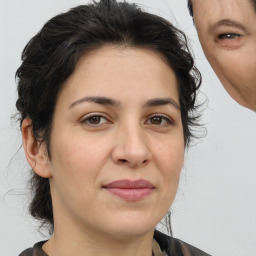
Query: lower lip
131	194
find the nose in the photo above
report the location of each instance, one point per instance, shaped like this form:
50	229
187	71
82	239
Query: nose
131	148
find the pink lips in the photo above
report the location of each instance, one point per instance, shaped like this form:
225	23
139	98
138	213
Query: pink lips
130	190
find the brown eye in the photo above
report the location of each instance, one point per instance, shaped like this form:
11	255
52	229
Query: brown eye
94	119
157	120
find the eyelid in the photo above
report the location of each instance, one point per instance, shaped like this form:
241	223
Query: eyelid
229	43
224	36
89	115
166	117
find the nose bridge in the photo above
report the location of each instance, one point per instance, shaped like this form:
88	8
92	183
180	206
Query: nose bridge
132	145
135	141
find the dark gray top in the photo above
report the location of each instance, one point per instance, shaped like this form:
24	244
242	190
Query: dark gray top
169	246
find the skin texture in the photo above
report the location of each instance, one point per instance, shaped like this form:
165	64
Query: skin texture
227	32
126	143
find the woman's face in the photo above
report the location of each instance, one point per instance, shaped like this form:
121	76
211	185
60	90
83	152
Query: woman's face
117	143
227	32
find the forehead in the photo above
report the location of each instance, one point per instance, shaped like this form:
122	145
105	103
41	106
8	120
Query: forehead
111	70
224	7
207	12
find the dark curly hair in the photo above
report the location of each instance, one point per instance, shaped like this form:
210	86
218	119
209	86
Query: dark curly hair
51	56
190	6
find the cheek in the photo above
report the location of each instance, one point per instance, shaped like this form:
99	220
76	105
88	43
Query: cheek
238	66
78	148
170	161
174	166
242	72
221	60
76	161
211	50
247	64
76	164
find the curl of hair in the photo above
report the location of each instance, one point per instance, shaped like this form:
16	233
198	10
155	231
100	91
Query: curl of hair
51	56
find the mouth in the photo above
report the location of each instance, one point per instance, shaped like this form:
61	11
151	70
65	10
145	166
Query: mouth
129	190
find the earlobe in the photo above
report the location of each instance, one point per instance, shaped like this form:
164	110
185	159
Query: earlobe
35	151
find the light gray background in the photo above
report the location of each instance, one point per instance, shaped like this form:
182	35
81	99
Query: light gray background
215	208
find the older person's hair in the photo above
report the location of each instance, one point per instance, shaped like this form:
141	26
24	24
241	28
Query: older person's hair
190	6
51	56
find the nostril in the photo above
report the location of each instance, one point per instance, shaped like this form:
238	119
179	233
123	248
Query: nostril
126	161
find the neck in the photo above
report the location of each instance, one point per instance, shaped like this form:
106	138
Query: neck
101	245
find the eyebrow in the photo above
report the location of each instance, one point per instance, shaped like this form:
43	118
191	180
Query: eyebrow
230	23
111	102
98	100
162	101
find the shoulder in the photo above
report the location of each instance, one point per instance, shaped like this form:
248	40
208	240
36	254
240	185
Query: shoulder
35	251
176	247
27	252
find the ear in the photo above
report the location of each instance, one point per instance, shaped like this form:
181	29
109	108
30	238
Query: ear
35	151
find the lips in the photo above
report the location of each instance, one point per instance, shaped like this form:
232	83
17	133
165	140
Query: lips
130	190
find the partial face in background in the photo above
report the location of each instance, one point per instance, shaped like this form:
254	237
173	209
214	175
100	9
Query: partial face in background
117	143
227	32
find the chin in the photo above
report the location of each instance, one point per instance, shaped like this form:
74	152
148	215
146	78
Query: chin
132	233
136	227
132	227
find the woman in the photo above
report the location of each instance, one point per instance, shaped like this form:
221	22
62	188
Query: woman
106	100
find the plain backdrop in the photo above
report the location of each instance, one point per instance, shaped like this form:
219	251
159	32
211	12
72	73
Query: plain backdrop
215	207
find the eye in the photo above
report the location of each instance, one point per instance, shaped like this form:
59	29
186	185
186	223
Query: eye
228	36
94	120
159	120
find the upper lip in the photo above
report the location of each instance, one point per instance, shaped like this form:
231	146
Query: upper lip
129	184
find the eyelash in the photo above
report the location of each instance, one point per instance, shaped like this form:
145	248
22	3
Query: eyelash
228	36
88	118
168	120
